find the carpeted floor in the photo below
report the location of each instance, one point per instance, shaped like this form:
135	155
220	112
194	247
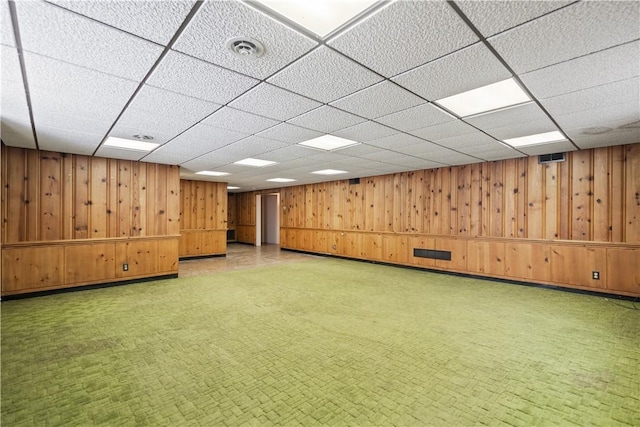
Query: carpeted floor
324	341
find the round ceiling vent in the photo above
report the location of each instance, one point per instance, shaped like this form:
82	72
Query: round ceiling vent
142	137
245	47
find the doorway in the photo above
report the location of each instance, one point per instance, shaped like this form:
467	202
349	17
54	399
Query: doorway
268	219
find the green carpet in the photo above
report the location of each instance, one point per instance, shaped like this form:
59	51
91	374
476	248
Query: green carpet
324	341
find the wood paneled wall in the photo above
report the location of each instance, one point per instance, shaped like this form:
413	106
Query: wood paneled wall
246	217
54	196
203	218
76	219
593	196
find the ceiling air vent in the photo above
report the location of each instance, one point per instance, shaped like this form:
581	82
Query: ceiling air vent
245	47
551	158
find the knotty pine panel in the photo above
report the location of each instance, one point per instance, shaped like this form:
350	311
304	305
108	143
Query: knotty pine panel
90	263
203	205
574	265
54	196
32	268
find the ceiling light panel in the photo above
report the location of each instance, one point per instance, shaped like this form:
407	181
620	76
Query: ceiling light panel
496	16
328	142
329	172
218	21
487	98
240	121
326	119
573	31
281	180
541	138
378	100
199	79
291	134
617	63
466	69
82	41
155	21
273	102
507	117
212	173
314	75
416	117
399	51
130	144
258	163
322	17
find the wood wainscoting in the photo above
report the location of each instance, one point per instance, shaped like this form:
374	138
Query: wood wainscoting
47	265
559	263
195	243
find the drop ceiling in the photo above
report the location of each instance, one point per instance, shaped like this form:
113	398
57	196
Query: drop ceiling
77	72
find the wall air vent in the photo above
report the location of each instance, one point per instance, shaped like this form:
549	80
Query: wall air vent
552	158
353	181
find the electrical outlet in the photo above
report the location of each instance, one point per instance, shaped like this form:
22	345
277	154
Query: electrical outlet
125	267
595	275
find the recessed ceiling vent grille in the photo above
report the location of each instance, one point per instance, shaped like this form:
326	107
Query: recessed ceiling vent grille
552	158
245	47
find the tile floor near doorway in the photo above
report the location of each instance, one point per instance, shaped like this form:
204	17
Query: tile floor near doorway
240	256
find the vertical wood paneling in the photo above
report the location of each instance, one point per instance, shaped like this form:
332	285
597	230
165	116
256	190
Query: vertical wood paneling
581	195
617	194
53	196
521	198
601	204
632	186
476	200
497	200
551	202
510	198
535	196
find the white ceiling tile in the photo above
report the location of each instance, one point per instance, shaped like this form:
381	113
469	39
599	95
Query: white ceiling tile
15	126
396	141
466	69
619	92
273	102
523	129
415	118
444	130
576	30
554	147
289	153
8	38
606	134
55	32
389	157
436	31
218	21
457	159
508	116
169	106
491	17
429	150
360	150
466	143
153	20
364	132
628	112
499	155
54	119
194	77
607	66
291	134
239	121
67	141
314	76
378	100
326	119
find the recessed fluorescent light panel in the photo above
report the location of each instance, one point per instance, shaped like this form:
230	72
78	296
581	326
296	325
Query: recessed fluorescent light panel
319	16
329	142
231	187
329	172
255	162
486	98
212	173
281	180
540	138
130	144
